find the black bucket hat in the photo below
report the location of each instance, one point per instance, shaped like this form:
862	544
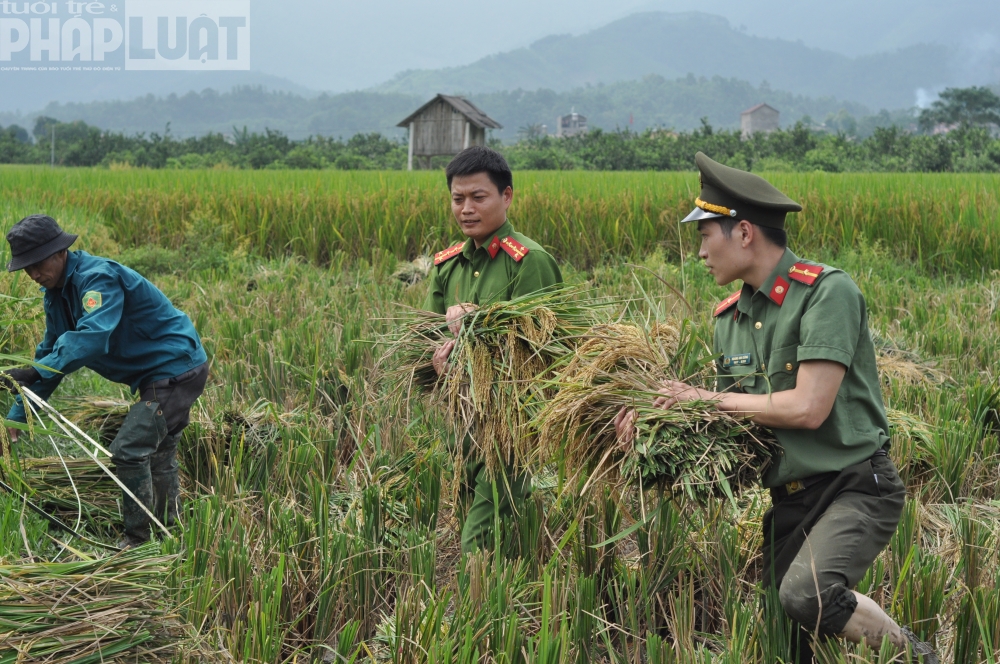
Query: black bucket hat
35	238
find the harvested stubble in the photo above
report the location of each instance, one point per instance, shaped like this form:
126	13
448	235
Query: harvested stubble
89	611
904	366
499	366
692	449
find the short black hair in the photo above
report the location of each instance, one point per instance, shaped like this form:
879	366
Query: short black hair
481	159
776	236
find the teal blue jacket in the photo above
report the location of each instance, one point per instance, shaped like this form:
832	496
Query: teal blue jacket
110	319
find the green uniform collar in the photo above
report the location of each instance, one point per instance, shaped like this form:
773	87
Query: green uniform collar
788	259
469	250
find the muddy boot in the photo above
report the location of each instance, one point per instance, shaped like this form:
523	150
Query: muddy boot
166	485
922	652
137	480
138	439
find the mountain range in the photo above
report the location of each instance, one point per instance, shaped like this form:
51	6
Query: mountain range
673	45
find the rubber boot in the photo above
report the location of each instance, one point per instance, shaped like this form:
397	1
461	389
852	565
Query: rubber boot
137	440
137	480
166	484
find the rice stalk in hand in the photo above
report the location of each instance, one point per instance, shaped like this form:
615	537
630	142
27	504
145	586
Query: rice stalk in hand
692	448
497	380
87	611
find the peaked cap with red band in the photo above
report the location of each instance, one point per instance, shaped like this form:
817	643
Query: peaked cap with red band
731	193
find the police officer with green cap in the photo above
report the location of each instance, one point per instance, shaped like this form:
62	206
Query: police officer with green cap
494	264
794	353
107	317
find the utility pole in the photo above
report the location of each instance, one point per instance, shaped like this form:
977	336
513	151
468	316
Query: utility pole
53	146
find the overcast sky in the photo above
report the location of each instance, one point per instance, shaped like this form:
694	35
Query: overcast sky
343	45
346	44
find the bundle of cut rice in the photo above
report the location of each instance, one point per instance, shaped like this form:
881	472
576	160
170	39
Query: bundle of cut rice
68	487
504	353
691	449
89	611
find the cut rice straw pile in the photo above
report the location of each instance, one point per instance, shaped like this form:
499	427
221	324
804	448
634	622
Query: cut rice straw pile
691	449
80	488
89	611
503	355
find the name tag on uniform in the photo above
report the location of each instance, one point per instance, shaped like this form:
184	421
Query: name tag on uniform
741	360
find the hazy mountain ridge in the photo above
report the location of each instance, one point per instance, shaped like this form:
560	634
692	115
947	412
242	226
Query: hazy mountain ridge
674	45
26	92
637	105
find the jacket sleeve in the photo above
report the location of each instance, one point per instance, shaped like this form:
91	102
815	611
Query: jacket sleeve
538	270
45	387
833	321
435	295
90	340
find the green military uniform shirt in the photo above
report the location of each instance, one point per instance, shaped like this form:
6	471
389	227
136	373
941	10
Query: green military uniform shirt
508	266
805	311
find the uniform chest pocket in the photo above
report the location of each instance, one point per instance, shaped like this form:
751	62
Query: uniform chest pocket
782	368
736	379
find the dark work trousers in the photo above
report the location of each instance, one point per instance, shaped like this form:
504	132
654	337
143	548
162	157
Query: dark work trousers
820	541
176	396
145	451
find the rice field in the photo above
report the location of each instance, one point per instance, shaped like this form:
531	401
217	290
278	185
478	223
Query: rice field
321	519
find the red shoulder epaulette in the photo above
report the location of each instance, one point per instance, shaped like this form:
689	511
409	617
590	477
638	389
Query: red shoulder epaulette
806	274
516	250
728	302
448	253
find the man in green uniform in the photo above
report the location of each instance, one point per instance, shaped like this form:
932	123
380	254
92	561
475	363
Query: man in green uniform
494	264
794	353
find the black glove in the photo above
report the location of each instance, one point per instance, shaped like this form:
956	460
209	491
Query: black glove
23	377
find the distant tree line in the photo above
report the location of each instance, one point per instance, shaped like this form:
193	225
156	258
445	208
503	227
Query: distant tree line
957	133
78	144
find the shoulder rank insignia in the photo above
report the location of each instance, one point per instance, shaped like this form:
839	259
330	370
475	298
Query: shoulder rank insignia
448	254
516	250
728	302
779	290
806	274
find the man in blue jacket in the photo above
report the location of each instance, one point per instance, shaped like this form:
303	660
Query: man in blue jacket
107	317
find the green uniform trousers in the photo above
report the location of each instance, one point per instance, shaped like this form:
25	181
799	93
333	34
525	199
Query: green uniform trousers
511	491
821	540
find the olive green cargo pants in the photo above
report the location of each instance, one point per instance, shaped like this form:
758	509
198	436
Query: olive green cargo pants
820	541
496	500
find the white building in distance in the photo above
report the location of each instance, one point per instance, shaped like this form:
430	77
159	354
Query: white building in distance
570	125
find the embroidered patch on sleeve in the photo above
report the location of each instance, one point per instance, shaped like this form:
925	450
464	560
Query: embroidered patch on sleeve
91	301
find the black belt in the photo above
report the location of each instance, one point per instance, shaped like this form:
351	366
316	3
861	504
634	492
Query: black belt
795	486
